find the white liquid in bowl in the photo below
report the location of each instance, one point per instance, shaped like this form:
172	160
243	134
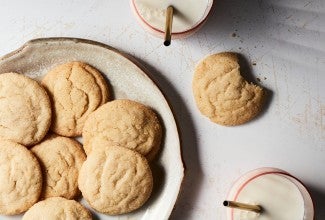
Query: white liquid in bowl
187	13
281	195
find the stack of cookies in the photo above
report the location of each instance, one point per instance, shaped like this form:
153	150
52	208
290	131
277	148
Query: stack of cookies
119	137
43	171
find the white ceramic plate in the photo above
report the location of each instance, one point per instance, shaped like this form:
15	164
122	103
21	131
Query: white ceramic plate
127	80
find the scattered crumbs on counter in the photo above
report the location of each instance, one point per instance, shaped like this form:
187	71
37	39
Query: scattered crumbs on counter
265	78
239	48
254	64
288	16
258	79
233	35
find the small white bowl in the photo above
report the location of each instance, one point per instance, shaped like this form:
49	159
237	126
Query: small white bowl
175	35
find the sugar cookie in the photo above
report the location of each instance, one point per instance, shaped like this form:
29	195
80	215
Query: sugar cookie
25	110
124	123
60	159
20	176
56	208
76	89
222	94
115	180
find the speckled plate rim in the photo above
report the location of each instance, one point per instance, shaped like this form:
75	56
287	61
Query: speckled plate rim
143	71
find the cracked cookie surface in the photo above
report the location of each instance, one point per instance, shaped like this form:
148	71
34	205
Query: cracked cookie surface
124	123
20	176
60	159
25	110
222	94
76	89
57	208
115	180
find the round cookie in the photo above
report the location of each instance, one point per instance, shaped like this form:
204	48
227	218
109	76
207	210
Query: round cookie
222	94
76	89
20	178
115	180
124	123
25	110
60	159
57	208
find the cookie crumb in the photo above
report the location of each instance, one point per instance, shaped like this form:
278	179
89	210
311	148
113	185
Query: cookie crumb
234	35
254	64
265	78
258	79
